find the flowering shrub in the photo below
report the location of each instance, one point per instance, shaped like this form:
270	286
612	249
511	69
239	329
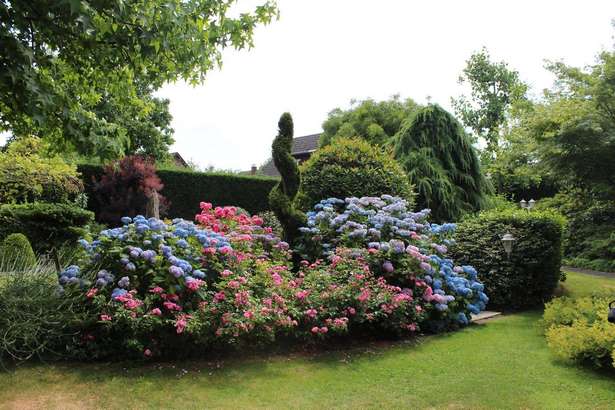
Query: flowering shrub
400	246
167	288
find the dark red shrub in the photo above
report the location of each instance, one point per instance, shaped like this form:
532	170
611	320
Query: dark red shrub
125	187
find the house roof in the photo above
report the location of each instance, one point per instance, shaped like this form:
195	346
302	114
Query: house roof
179	160
305	144
301	146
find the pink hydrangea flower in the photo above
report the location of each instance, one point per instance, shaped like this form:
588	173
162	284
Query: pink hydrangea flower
105	318
311	313
91	293
155	312
248	314
219	296
156	290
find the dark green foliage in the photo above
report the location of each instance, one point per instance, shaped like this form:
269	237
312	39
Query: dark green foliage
531	274
184	190
83	74
45	225
352	167
37	321
16	253
282	196
589	240
441	163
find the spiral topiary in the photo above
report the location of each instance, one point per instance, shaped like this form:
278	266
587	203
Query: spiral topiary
282	196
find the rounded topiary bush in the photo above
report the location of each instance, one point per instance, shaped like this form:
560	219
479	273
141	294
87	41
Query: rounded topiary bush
352	168
16	253
530	275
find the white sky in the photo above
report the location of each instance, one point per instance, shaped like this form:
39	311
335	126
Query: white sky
322	53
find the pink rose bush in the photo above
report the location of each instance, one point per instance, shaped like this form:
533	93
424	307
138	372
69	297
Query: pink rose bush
167	288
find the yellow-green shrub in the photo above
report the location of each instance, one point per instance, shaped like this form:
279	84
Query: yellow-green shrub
29	174
578	330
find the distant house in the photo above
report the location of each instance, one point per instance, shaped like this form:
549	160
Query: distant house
178	160
302	149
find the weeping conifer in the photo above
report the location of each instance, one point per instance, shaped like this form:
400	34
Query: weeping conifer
441	163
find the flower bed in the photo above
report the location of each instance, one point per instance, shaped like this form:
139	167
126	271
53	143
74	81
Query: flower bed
173	288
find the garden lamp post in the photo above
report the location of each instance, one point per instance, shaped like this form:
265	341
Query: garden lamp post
611	315
507	242
527	205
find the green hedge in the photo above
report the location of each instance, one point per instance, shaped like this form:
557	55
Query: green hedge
531	274
186	189
45	225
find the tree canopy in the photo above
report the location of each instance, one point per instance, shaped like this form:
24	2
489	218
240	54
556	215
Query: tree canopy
442	163
81	73
375	122
495	88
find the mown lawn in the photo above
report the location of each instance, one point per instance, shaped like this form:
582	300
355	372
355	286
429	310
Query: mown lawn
504	363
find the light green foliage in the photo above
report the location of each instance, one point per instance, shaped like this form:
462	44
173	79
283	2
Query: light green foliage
28	174
16	253
282	196
441	163
352	167
82	74
578	330
375	122
495	88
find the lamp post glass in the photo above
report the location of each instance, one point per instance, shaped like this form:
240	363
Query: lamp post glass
527	205
507	242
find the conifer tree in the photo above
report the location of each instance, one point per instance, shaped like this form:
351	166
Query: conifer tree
441	163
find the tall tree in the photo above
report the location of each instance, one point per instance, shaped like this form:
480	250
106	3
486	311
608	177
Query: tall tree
375	122
495	88
71	70
442	163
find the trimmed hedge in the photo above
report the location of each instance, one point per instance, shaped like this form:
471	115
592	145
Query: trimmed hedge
531	274
45	225
186	189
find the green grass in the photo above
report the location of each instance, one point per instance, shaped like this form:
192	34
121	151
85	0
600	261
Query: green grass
579	284
504	363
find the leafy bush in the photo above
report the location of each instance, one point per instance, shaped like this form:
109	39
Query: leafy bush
185	189
36	320
352	168
125	188
529	277
578	330
402	247
16	253
45	225
27	174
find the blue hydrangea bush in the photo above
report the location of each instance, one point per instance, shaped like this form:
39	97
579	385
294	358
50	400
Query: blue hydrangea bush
401	246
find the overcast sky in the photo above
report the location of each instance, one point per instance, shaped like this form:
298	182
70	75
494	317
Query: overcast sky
322	53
